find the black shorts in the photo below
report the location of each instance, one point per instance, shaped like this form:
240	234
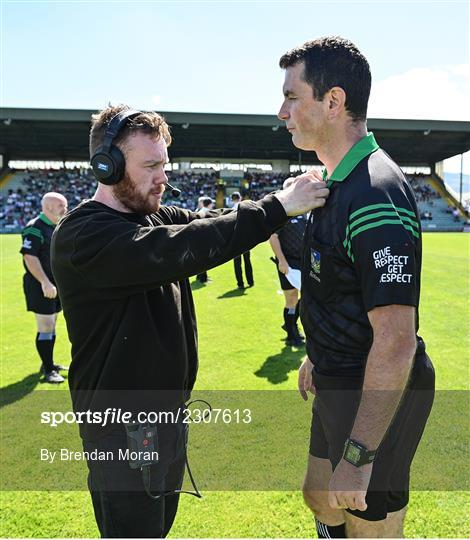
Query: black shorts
286	285
334	411
35	300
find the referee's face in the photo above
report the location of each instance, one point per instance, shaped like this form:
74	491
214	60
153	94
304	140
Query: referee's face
305	117
141	189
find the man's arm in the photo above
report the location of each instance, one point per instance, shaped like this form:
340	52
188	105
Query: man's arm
387	371
386	374
276	247
112	253
34	266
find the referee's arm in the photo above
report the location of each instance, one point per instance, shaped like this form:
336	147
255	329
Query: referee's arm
388	367
382	240
283	266
33	264
387	371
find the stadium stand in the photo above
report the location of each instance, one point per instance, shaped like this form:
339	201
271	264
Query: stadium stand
192	185
437	212
20	198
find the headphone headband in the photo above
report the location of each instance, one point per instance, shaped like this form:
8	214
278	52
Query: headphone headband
115	125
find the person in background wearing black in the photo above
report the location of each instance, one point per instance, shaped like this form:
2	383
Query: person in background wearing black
122	262
205	205
287	246
38	283
237	261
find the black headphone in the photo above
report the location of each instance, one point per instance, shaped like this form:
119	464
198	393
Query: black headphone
108	162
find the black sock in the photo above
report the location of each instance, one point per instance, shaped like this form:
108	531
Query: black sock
289	321
297	312
329	531
45	347
53	345
296	320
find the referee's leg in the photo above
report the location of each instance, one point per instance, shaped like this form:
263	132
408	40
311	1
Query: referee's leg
406	430
390	527
46	323
315	492
45	339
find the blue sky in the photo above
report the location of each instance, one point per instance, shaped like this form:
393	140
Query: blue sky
223	56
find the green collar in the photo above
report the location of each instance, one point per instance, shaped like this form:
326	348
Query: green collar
367	145
46	220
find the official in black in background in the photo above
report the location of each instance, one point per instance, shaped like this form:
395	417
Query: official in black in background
205	205
122	263
287	246
237	261
38	283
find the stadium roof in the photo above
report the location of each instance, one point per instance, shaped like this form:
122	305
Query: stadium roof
62	134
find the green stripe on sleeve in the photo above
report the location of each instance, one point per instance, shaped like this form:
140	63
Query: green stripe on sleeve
381	206
376	215
373	225
33	231
394	215
384	222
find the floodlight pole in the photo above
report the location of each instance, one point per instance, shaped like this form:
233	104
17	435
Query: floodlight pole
461	178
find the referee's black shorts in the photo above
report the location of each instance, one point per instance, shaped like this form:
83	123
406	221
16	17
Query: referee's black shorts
334	411
35	300
286	285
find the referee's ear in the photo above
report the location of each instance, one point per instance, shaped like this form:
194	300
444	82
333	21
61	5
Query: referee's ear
336	101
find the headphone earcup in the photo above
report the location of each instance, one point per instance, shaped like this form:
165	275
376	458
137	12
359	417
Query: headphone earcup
108	167
119	164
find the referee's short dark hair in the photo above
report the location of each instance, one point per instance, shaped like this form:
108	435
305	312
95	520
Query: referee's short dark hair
330	62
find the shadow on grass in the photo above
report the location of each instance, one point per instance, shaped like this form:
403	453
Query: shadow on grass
16	391
196	284
233	293
277	367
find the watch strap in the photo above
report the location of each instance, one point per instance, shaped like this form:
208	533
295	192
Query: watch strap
357	454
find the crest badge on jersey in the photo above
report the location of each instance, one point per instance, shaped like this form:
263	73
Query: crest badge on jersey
26	244
315	260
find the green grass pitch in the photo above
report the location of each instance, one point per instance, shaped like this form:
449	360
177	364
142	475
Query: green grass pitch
241	347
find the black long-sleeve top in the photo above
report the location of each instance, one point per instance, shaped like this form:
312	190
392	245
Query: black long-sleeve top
123	283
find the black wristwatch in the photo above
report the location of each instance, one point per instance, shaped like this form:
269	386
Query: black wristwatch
356	454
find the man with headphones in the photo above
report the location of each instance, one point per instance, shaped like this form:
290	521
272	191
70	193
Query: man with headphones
121	262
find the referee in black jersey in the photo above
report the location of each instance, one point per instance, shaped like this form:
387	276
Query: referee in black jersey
361	265
38	282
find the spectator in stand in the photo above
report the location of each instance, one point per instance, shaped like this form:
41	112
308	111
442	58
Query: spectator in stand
18	206
237	261
24	203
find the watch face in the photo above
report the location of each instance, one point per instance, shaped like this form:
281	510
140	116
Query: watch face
353	453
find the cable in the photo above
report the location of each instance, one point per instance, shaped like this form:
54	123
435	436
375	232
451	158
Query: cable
146	469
